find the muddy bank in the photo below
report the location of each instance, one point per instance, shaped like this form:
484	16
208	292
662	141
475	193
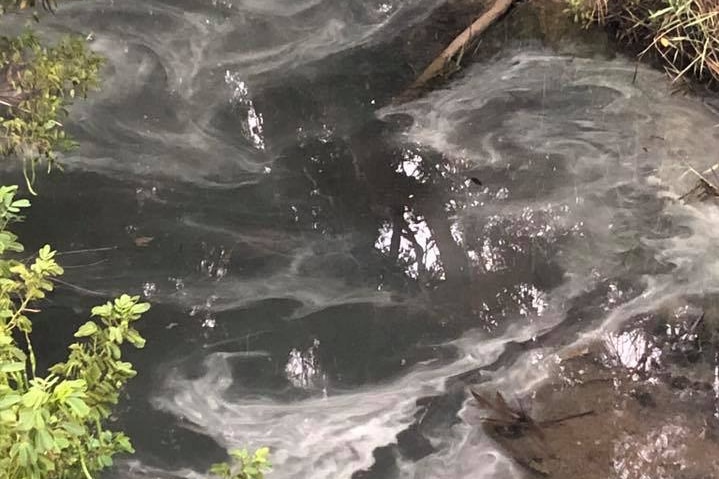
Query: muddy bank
645	398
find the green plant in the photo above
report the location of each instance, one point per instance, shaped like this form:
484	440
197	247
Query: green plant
54	426
243	465
37	85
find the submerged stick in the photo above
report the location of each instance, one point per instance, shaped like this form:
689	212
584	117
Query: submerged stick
87	250
703	185
498	8
80	289
554	422
512	416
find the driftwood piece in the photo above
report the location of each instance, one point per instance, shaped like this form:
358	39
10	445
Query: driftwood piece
509	415
703	189
458	45
518	433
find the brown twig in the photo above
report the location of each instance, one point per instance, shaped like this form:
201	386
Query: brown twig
498	8
559	420
511	416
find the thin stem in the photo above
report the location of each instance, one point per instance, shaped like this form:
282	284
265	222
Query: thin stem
84	467
33	363
18	312
29	181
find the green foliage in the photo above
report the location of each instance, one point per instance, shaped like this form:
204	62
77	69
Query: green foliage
54	426
243	465
37	85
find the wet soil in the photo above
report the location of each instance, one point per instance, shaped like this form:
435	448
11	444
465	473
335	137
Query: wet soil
652	399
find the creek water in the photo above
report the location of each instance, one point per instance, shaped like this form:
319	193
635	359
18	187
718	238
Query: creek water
329	271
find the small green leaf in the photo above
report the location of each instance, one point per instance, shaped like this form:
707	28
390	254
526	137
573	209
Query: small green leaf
140	308
124	443
78	407
114	350
24	454
221	469
34	398
26	420
103	311
44	441
262	453
135	339
22	203
9	400
7	417
73	428
114	334
87	329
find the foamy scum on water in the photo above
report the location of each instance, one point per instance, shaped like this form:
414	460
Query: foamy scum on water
578	163
163	107
599	158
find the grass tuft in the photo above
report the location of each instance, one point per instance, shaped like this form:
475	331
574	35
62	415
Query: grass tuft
684	34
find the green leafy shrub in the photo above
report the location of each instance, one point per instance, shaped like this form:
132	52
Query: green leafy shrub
54	426
37	85
243	465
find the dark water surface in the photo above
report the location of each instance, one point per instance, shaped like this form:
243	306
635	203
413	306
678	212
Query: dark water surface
328	272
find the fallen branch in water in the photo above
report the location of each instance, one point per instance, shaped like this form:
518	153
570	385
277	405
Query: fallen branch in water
458	45
519	433
80	289
510	416
568	417
704	189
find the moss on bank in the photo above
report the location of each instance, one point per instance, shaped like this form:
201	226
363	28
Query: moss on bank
683	34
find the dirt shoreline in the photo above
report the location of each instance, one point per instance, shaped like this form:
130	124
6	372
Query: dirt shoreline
652	417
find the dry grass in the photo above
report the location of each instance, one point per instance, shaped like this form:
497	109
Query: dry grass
683	33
